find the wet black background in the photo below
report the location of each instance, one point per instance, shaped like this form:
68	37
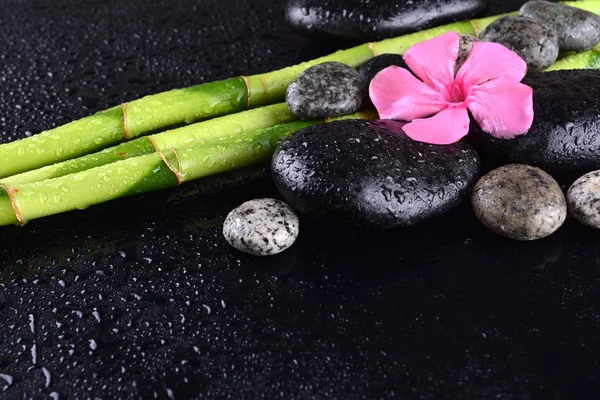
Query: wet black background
142	297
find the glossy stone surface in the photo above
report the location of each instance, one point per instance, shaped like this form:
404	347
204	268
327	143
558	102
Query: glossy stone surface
372	67
365	20
520	202
577	29
534	42
370	174
261	227
565	135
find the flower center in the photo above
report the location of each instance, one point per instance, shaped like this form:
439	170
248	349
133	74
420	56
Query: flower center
457	95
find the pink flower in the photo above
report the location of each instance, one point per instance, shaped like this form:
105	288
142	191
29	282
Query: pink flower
488	85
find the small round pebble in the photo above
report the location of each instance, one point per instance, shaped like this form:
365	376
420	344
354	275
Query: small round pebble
520	202
329	89
261	227
534	42
583	199
464	49
577	29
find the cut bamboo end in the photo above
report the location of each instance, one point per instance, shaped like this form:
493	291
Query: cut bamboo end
10	193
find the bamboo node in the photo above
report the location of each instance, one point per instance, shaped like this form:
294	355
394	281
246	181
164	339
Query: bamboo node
372	47
177	173
125	122
476	26
265	89
13	202
248	90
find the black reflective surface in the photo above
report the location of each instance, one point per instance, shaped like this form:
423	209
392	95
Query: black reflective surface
142	297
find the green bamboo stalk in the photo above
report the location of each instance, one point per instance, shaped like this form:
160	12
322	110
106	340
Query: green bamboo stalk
22	203
207	100
198	133
214	129
585	60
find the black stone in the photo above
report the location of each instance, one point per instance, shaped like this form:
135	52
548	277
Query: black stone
365	20
565	135
329	89
534	42
370	174
370	68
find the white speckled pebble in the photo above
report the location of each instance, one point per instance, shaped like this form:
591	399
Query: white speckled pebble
583	199
261	227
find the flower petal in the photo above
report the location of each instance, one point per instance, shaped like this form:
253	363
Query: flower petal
446	127
397	94
502	108
489	61
433	61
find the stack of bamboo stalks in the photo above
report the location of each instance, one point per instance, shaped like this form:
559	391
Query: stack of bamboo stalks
242	119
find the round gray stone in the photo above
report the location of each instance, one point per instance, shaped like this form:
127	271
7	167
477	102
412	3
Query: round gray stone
261	227
534	42
464	49
519	202
583	199
325	90
577	29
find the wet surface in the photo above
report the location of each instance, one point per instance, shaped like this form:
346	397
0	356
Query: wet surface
143	298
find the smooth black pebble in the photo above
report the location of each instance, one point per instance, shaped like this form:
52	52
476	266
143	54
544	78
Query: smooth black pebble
564	138
329	89
534	42
376	64
370	174
365	20
576	29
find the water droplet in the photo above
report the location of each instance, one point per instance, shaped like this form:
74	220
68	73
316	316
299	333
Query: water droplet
8	378
47	376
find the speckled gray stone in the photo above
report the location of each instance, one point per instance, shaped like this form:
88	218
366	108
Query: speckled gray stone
534	42
576	29
326	90
583	199
261	227
464	49
520	202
